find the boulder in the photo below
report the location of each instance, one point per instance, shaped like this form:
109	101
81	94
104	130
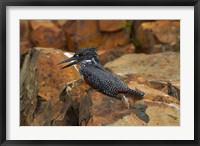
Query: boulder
168	115
111	25
159	36
47	35
106	56
24	30
81	33
160	66
86	33
154	94
97	109
40	84
114	40
37	23
25	45
60	23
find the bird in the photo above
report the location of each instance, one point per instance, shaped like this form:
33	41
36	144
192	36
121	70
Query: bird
98	77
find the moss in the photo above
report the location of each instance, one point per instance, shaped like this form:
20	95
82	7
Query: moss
136	42
127	25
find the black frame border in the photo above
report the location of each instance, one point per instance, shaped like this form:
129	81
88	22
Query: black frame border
5	3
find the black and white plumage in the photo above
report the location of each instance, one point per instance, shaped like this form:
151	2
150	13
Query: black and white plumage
102	80
98	77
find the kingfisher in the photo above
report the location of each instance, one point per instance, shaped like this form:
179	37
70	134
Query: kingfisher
98	77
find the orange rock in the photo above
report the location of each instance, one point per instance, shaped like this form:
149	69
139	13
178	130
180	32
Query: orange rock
160	66
81	28
24	45
85	33
24	30
113	40
81	33
70	27
129	120
45	36
111	25
50	78
87	27
102	41
85	42
41	84
168	115
97	109
153	94
159	36
109	55
37	23
60	22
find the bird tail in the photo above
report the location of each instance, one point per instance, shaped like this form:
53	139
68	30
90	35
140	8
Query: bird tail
136	92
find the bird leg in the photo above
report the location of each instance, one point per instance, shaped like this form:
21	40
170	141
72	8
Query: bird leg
125	100
90	90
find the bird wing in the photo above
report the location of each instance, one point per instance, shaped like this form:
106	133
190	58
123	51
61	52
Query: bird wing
101	79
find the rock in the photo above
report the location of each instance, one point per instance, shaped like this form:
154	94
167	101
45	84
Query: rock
111	25
48	36
37	23
86	33
136	24
81	33
97	109
81	28
104	42
60	23
72	94
85	42
106	56
159	36
24	30
114	40
40	84
92	107
161	66
168	115
153	94
25	45
174	89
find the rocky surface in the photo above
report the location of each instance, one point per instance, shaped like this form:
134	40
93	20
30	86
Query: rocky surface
110	25
110	55
48	35
169	114
148	36
78	37
96	109
161	66
40	84
50	96
144	54
159	36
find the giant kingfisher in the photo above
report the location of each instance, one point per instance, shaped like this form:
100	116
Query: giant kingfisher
99	78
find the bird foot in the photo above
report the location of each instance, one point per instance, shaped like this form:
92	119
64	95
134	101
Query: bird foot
90	90
126	103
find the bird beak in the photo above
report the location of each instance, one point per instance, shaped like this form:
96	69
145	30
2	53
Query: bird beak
68	60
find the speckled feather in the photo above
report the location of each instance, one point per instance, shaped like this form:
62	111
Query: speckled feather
104	81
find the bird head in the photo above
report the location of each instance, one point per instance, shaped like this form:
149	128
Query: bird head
81	56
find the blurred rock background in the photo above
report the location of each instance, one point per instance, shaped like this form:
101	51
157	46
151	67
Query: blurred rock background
144	54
